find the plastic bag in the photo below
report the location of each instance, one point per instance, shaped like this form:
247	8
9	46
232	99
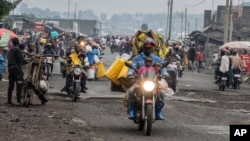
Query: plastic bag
96	59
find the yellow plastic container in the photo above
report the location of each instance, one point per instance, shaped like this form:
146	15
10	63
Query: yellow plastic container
75	59
100	70
122	77
114	70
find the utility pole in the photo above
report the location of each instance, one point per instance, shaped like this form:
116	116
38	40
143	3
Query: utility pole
181	23
80	12
196	22
230	21
188	27
185	28
170	20
167	27
68	8
226	22
75	12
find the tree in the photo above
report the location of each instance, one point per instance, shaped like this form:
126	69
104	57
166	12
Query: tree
6	6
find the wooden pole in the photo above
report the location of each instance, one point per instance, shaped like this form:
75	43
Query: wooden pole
226	22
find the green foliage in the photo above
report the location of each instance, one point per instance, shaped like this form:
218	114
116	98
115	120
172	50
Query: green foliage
6	6
8	22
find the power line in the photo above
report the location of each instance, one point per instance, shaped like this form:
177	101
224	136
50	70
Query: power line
194	4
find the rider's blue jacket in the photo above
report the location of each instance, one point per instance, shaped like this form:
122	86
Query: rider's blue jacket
138	61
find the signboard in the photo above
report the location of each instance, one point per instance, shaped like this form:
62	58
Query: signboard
245	58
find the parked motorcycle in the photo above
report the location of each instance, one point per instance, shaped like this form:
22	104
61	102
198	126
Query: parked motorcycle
34	81
147	96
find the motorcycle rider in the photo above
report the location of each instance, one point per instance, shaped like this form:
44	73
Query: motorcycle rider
76	48
137	62
222	66
49	50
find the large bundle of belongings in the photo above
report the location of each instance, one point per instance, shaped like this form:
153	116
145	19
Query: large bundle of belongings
117	72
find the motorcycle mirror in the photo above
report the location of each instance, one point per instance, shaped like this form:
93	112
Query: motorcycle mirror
129	65
165	64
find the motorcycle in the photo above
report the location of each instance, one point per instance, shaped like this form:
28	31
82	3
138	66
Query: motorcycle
146	98
236	79
103	46
34	81
173	70
48	62
223	82
75	82
179	66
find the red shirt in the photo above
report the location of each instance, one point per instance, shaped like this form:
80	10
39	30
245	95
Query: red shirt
144	68
201	57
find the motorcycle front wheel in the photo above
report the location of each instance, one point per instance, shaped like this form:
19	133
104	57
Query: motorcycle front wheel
47	73
76	92
148	119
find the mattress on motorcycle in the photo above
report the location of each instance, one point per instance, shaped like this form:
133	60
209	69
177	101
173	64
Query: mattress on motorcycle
114	70
137	41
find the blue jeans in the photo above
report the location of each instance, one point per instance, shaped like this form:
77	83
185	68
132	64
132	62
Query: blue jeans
5	55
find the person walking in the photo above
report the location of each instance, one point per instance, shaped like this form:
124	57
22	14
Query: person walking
191	57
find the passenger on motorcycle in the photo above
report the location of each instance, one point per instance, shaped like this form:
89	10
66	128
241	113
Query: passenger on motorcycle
222	66
77	48
236	62
148	65
50	50
137	62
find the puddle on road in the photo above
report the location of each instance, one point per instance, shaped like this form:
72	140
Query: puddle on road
217	130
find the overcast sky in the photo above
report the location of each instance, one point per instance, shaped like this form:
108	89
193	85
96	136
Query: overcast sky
127	6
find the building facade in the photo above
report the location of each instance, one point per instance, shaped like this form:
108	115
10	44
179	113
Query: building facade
88	27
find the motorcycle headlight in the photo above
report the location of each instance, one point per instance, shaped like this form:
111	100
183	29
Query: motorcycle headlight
77	71
148	86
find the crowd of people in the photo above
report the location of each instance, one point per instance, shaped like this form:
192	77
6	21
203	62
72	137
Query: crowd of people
14	54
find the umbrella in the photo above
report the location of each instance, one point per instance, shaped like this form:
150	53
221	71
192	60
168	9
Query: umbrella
246	42
235	45
12	34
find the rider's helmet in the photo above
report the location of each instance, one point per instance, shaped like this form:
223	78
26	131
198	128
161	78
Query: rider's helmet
148	43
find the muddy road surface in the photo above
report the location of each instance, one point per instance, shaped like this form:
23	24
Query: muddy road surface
198	112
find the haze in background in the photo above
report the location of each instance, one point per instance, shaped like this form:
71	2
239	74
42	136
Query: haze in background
126	6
